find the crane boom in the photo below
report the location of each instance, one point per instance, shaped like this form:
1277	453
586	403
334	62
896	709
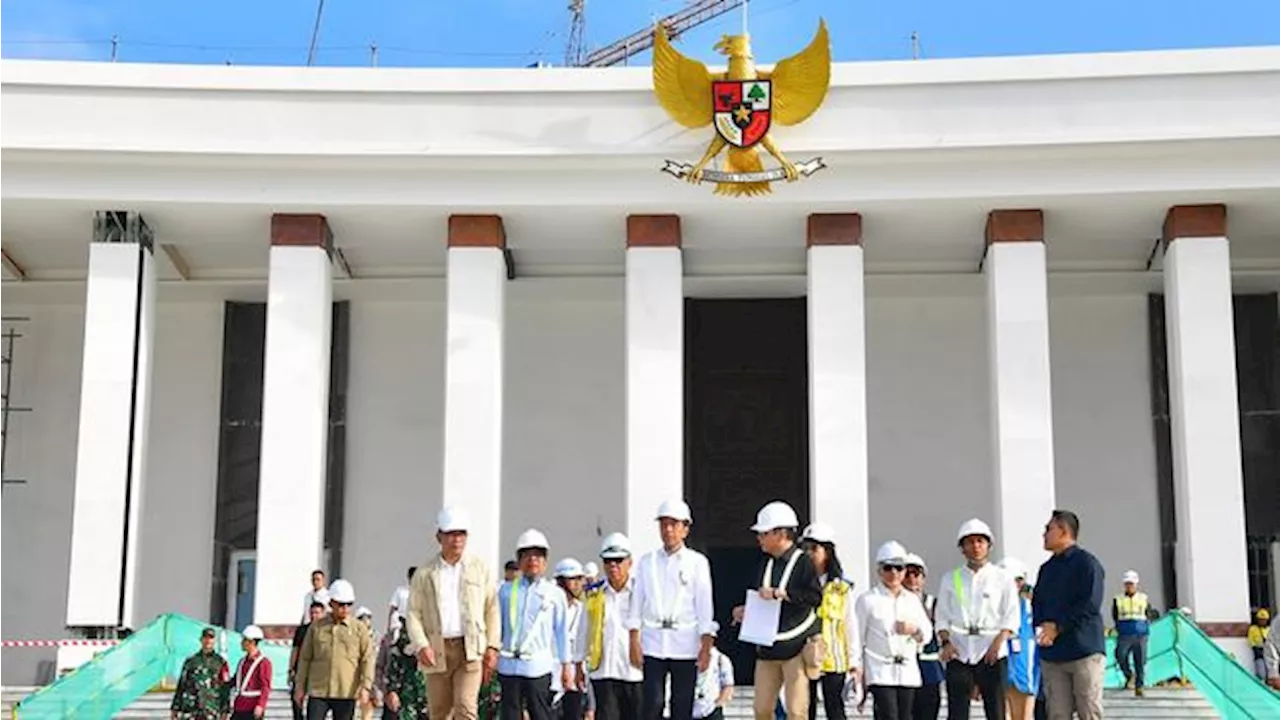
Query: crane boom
683	20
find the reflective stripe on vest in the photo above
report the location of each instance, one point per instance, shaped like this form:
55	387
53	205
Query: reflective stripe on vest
595	628
957	580
664	620
782	583
1131	607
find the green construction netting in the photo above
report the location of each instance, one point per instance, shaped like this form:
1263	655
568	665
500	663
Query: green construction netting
150	658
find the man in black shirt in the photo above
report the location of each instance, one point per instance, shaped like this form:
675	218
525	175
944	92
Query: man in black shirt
786	573
314	613
1066	610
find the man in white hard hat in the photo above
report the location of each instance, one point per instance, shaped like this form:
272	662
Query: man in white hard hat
1131	613
452	620
892	625
976	614
252	678
614	680
335	666
671	618
535	637
795	651
398	605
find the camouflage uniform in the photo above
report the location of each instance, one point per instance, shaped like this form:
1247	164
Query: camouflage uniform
405	680
490	699
204	688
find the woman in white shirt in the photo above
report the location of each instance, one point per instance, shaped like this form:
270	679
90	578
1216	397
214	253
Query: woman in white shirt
573	700
892	625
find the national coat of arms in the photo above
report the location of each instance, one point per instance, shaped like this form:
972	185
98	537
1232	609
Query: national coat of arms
742	103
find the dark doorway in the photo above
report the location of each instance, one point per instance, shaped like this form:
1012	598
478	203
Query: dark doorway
746	438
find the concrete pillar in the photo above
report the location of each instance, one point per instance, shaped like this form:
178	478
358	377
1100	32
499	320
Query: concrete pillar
1208	479
295	416
111	448
838	388
473	402
655	372
1021	398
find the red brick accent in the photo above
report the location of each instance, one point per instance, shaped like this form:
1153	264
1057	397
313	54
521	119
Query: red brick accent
477	231
306	230
1225	629
834	229
1015	226
653	231
1195	221
278	632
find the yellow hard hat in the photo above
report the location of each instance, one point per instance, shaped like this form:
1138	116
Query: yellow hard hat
1264	614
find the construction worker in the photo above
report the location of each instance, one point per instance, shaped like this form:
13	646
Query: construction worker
573	697
1131	613
535	641
671	616
615	682
335	665
593	579
1257	640
203	691
839	625
977	613
1024	662
253	678
786	575
928	700
892	625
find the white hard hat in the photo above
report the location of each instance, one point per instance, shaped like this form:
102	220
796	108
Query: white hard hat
1014	567
341	592
569	568
891	553
532	539
591	569
914	560
400	600
776	514
452	519
974	526
820	533
615	546
253	632
674	509
364	612
1130	576
320	596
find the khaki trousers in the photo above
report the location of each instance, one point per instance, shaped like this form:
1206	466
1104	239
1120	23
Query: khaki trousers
456	691
1074	686
788	677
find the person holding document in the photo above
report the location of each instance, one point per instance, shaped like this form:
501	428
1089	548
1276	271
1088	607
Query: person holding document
790	651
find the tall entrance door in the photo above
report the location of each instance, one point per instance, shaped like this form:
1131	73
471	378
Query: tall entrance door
746	438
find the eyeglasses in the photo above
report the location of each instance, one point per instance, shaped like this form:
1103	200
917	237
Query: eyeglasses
892	568
613	561
914	571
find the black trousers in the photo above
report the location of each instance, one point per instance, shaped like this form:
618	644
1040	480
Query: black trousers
832	696
618	699
927	703
299	712
520	694
684	676
992	681
1135	645
319	708
890	702
717	714
242	715
572	705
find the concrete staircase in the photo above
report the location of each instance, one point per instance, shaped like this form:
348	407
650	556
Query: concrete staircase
1159	703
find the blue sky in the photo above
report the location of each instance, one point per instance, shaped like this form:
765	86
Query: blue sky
507	33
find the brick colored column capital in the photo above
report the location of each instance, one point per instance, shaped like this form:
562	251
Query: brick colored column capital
477	231
305	230
1195	221
1015	226
833	229
653	231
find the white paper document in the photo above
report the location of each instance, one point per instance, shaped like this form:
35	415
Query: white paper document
760	620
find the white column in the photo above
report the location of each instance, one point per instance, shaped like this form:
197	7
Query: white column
655	384
1021	398
1208	478
111	447
474	393
838	402
295	428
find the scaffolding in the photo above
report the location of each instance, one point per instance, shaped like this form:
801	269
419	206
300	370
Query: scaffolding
8	341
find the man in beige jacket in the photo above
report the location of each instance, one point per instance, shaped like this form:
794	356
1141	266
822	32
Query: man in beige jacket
453	621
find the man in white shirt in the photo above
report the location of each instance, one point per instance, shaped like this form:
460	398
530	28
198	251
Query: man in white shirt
671	616
892	625
318	589
977	612
615	681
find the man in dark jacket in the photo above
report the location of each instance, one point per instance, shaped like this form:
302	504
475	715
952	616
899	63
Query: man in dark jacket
787	661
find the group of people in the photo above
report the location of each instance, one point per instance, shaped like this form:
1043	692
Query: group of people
640	643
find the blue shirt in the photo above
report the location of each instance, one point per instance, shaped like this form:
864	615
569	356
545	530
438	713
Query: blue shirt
1024	664
1069	593
535	636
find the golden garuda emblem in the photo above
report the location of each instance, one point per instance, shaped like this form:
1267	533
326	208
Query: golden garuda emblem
742	103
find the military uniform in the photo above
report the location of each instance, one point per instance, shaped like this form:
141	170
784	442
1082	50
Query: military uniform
204	688
404	679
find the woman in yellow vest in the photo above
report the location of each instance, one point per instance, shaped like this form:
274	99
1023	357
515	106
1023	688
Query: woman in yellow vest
839	627
1258	640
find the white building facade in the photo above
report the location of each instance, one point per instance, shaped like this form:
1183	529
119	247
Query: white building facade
270	319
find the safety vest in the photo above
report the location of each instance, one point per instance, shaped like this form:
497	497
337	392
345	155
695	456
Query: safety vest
835	600
1131	614
595	628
